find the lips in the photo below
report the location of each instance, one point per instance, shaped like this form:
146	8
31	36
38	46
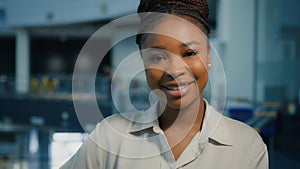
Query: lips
177	90
171	87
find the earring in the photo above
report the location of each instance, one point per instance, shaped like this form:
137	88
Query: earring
209	65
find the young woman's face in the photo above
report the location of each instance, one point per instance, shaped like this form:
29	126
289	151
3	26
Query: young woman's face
177	63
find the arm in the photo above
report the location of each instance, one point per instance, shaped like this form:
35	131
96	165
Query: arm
260	159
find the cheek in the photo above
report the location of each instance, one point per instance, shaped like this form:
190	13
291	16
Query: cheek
198	66
153	77
199	70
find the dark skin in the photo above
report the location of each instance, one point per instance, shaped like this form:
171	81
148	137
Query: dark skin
171	134
177	65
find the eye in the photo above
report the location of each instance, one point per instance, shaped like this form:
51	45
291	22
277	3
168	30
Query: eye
190	53
153	55
157	58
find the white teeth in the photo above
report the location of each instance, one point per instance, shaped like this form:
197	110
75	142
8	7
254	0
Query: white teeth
173	88
176	88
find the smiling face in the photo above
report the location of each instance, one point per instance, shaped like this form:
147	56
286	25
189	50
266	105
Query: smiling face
176	61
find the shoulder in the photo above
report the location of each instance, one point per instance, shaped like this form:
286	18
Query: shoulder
243	135
247	140
229	131
116	119
240	129
115	122
237	141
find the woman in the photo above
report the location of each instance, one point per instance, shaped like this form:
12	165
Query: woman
185	132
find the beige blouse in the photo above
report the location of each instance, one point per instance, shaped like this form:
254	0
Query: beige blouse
119	143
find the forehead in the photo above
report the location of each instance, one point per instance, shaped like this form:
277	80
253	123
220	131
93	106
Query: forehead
176	28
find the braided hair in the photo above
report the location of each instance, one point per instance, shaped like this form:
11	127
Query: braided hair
198	10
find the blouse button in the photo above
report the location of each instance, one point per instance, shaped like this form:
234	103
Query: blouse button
157	130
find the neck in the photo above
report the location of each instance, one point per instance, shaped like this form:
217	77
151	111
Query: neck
188	118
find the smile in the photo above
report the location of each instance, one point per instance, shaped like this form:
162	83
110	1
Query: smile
177	90
176	87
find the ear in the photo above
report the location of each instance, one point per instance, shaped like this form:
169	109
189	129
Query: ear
208	60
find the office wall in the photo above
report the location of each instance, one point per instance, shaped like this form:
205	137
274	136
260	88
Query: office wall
278	57
236	32
50	12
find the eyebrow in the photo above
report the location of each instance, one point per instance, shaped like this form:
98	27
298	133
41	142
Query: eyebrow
182	45
190	43
157	47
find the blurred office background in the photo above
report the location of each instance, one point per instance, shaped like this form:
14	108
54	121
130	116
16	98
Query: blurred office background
258	42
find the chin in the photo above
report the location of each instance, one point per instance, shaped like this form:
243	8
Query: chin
182	103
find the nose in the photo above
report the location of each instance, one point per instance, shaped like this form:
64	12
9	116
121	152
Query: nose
176	67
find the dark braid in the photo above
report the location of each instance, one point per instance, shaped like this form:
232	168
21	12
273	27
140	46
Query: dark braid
196	9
